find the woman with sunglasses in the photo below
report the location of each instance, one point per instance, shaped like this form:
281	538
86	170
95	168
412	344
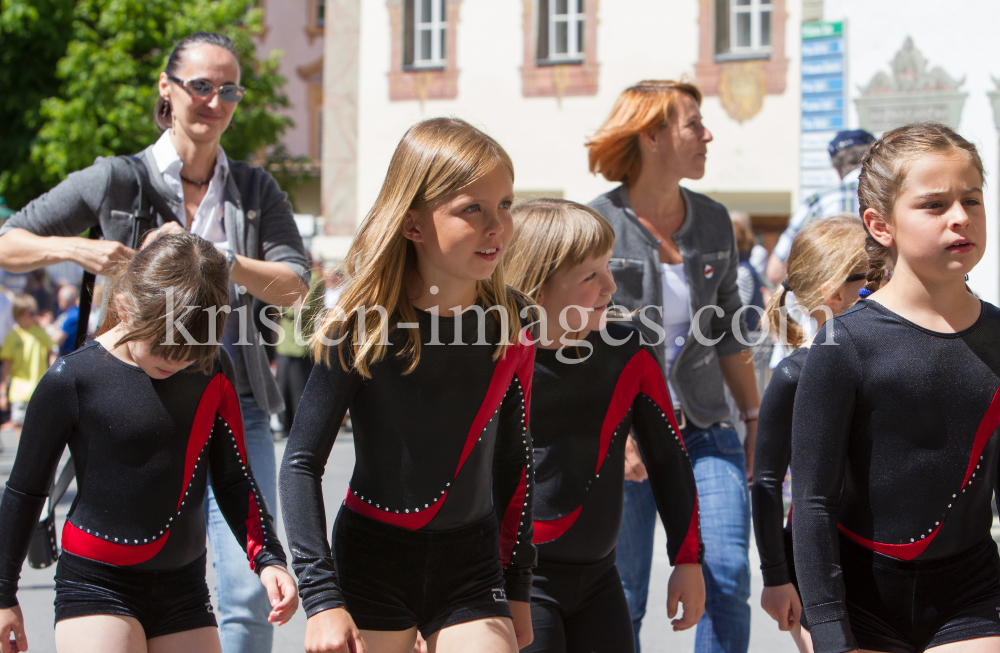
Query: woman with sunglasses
238	208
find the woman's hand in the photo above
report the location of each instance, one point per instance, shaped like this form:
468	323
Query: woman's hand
12	638
96	256
635	469
420	646
521	613
281	592
333	631
783	604
687	587
171	227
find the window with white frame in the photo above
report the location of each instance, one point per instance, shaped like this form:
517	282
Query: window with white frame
560	30
743	27
425	27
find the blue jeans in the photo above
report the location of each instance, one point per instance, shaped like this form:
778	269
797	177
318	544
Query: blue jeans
724	506
243	604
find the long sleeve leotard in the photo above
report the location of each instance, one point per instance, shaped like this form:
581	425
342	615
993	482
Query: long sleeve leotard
436	449
144	449
772	455
582	410
894	445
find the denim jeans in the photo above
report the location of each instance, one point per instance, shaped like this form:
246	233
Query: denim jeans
724	507
243	604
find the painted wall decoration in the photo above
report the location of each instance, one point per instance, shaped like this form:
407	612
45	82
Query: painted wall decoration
911	92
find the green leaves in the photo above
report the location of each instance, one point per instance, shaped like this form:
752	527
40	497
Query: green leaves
102	82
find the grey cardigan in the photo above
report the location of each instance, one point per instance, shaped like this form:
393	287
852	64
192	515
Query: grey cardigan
258	223
708	248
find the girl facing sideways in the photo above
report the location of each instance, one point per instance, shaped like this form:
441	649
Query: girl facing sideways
149	413
593	384
894	431
426	350
827	266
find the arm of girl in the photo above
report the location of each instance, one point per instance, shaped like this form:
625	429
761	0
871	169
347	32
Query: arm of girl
821	425
671	479
241	501
513	487
772	456
324	402
48	424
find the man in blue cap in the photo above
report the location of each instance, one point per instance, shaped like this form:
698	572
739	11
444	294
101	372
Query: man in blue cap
846	151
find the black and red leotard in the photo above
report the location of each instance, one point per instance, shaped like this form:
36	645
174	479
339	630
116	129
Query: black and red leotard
895	450
582	411
772	456
437	449
143	450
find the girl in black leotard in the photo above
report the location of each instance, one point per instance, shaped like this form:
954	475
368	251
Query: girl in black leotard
435	532
826	268
894	434
593	384
149	415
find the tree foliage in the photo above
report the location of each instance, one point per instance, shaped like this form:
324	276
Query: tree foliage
33	37
108	75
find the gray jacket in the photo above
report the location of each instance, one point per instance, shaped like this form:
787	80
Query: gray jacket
708	247
258	223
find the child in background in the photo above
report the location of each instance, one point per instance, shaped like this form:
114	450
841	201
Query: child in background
827	267
27	352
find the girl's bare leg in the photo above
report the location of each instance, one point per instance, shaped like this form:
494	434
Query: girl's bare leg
100	633
978	645
803	640
389	641
492	635
199	640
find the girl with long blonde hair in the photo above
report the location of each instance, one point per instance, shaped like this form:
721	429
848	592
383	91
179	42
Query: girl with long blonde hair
827	266
426	350
595	382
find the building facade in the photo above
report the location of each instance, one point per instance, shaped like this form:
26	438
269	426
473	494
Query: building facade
542	75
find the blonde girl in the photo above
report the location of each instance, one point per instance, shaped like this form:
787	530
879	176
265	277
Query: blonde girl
894	443
425	350
150	413
594	383
827	266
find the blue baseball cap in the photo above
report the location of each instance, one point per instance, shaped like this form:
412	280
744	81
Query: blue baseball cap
849	138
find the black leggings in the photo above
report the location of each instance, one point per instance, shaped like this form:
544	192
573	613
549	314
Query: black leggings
580	609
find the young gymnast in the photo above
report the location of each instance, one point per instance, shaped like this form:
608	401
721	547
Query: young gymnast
827	266
593	384
435	532
148	415
894	432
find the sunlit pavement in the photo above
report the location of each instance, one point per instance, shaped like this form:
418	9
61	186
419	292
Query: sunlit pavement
36	586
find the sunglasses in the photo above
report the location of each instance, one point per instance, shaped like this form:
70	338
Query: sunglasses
203	88
857	276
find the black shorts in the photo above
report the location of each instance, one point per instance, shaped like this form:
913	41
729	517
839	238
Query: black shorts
580	609
394	579
900	607
163	602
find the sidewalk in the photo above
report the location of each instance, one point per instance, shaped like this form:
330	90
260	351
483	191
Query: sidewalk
36	586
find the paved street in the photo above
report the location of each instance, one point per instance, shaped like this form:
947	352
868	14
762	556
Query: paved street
36	587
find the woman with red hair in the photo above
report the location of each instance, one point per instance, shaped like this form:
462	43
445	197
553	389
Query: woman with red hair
675	262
